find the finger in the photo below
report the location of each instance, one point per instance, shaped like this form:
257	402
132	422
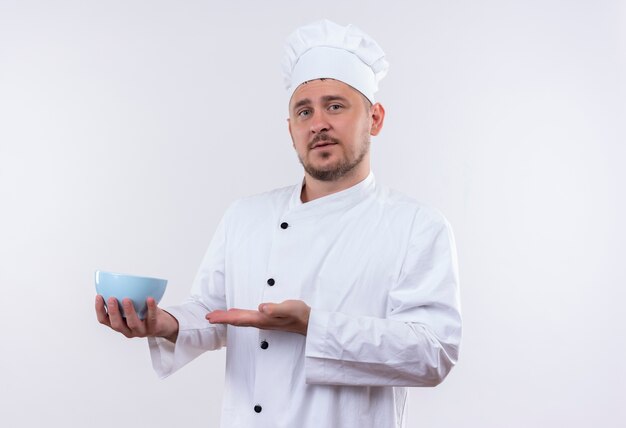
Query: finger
115	317
285	309
268	309
237	317
150	320
151	316
132	319
101	312
220	316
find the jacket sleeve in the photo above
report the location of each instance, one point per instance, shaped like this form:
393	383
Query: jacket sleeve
195	334
417	343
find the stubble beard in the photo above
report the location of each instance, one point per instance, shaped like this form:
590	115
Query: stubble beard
341	168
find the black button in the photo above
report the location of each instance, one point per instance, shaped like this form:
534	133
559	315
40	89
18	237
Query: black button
271	282
284	225
264	345
258	408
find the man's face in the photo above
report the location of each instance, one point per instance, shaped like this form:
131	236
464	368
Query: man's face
330	125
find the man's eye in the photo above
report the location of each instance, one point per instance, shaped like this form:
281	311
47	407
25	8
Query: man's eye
334	107
304	113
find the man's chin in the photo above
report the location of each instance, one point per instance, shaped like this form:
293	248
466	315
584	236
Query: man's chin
331	169
327	172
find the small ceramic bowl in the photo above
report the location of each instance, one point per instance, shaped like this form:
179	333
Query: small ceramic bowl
136	288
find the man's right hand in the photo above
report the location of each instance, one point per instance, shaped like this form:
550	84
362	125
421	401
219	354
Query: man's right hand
157	323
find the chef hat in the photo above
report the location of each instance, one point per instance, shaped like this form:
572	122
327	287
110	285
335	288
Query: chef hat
324	49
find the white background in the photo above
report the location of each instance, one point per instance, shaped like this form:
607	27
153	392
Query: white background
127	127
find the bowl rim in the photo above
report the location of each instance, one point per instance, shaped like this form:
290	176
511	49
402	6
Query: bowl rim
98	271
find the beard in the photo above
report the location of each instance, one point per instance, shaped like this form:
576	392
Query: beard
340	168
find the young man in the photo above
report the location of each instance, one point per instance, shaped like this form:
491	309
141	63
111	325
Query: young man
331	296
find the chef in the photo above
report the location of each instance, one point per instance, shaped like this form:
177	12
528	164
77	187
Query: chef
331	296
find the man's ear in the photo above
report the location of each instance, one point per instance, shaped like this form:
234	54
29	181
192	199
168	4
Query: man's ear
289	128
377	113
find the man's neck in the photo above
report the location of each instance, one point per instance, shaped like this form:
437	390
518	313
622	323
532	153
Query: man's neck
315	189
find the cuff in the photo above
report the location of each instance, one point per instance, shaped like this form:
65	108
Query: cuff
162	351
162	355
316	346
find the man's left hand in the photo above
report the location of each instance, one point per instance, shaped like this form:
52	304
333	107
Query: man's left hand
290	315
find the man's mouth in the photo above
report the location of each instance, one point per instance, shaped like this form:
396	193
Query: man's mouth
322	141
322	144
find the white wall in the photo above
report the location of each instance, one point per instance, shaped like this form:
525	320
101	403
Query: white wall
127	127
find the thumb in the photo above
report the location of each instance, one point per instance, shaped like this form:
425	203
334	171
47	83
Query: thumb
151	317
268	309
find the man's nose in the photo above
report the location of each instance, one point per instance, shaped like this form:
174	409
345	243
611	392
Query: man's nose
319	123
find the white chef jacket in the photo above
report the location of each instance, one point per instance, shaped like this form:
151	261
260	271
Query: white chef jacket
379	272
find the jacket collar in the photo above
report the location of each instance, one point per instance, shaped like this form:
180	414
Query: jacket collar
334	202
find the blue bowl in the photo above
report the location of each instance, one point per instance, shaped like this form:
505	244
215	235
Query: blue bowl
136	288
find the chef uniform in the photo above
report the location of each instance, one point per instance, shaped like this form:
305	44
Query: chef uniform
377	268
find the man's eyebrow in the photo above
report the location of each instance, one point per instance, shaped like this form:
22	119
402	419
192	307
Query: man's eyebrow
302	102
329	98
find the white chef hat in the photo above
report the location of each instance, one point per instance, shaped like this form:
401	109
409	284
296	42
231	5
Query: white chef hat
325	49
